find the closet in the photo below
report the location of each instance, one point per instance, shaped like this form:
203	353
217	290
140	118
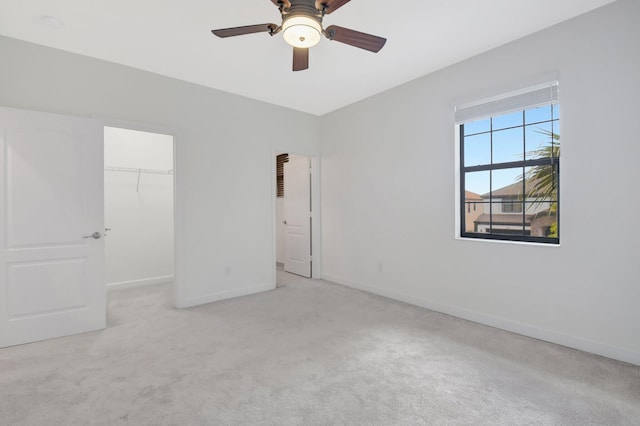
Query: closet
139	207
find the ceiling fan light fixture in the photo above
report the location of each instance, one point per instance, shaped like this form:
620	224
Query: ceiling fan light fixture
302	28
301	31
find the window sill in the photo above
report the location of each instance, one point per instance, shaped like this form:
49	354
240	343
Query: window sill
522	243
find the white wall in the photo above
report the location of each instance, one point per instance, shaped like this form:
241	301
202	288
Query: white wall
139	247
388	192
224	149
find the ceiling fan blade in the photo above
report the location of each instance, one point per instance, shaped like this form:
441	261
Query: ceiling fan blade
300	58
330	5
249	29
355	38
285	3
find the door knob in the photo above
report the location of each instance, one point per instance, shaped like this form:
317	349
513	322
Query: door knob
95	235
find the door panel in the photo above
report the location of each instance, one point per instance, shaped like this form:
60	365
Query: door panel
55	215
51	198
37	288
297	209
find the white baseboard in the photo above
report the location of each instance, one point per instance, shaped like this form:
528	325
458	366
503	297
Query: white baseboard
223	295
140	283
575	342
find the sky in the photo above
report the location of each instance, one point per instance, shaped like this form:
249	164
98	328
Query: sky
514	136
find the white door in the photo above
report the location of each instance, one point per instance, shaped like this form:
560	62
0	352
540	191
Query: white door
51	204
297	214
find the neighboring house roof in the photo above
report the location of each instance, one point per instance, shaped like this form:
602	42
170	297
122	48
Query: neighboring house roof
513	190
510	191
468	195
504	219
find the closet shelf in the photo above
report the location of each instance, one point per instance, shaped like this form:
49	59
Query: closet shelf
135	170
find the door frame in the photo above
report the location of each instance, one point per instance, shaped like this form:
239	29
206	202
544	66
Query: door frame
178	293
316	241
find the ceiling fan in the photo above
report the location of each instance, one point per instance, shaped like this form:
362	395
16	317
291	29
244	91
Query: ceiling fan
302	28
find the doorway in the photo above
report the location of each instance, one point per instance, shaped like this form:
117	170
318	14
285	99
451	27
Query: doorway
52	222
296	214
139	208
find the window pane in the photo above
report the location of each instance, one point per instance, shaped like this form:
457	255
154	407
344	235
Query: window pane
545	223
508	145
556	111
506	183
478	220
536	115
541	186
477	126
475	212
477	150
507	120
509	223
538	141
475	208
506	186
477	183
556	131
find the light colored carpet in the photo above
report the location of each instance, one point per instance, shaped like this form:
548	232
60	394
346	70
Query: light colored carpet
307	353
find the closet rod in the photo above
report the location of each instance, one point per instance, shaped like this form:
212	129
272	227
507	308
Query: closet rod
134	170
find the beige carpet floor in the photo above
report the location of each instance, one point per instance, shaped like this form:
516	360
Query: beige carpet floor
307	353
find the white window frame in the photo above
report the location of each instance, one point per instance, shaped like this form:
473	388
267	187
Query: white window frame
519	100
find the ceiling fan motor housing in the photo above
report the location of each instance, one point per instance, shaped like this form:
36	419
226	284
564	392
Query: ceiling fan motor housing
303	7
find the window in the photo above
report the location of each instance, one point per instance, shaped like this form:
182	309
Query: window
280	160
509	166
511	207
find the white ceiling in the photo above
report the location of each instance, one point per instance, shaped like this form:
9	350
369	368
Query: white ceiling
173	38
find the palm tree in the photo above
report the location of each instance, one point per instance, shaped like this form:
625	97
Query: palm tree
543	179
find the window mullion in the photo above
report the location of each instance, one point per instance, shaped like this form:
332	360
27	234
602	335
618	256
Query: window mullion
463	199
524	169
491	177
